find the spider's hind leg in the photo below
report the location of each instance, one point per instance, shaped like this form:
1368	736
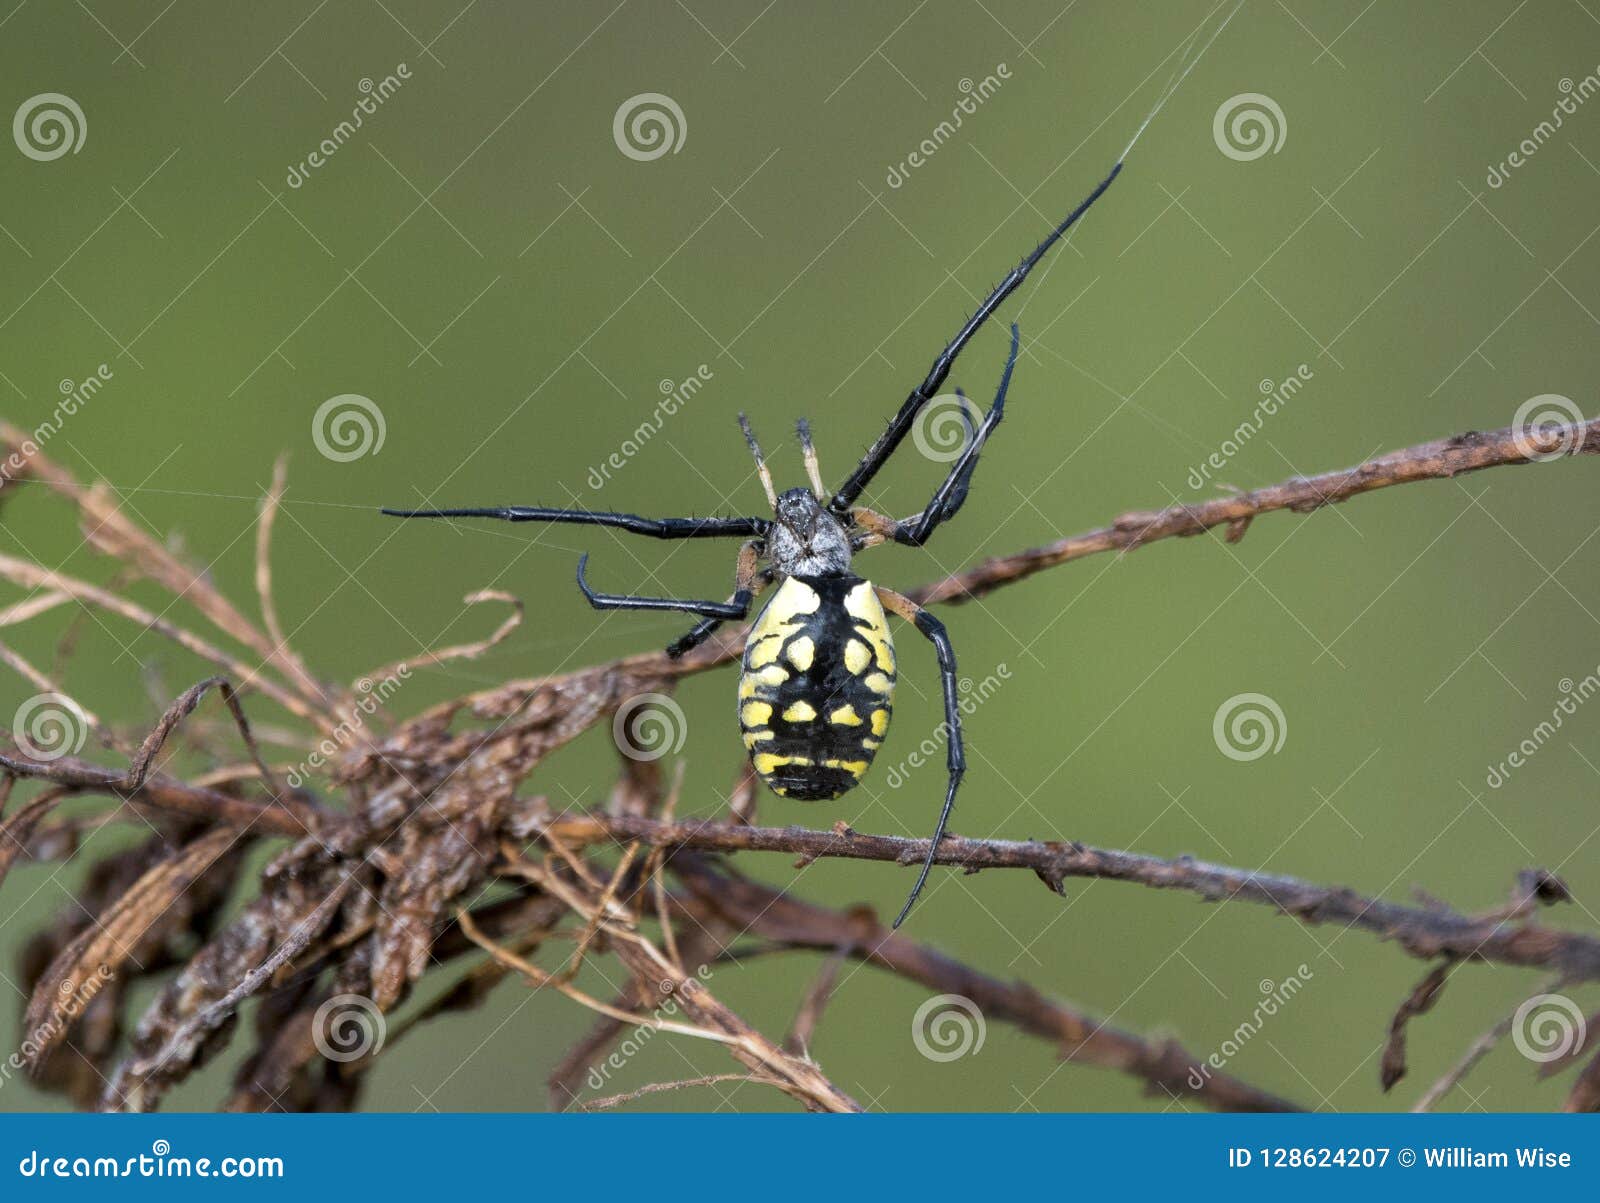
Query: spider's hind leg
955	751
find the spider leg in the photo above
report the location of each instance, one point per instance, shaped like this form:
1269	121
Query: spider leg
900	426
738	607
656	528
748	580
955	755
949	496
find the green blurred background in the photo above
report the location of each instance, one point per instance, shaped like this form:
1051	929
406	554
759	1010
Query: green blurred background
508	288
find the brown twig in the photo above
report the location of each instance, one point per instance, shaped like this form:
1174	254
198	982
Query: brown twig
1438	460
616	1100
1477	1051
1424	933
1419	1002
1166	1068
138	783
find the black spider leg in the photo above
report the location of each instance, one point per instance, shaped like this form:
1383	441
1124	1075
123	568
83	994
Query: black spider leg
698	634
748	578
655	528
949	496
736	608
880	451
955	754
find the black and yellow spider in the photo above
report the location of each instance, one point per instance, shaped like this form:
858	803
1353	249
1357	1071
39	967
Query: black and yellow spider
819	664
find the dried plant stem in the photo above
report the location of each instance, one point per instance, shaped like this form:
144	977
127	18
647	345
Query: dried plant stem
616	1100
1438	460
1423	932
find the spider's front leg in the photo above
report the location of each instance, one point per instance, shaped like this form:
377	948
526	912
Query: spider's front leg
749	579
735	607
955	754
949	496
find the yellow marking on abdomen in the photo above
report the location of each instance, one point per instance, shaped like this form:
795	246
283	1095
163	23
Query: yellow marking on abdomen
767	763
862	604
880	722
801	652
800	712
845	716
857	657
763	651
755	714
856	768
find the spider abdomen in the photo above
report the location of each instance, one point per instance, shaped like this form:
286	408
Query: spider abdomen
816	687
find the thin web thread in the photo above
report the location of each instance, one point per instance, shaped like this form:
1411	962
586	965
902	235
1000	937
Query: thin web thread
1173	85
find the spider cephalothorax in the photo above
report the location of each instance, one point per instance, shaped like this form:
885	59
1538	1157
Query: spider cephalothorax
819	669
806	540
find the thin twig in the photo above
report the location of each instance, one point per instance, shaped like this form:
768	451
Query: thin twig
1438	460
1166	1068
1424	933
615	1100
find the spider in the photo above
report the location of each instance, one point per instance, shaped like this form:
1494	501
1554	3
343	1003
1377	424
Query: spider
818	674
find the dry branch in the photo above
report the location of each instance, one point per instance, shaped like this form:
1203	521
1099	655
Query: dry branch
1165	1067
1439	460
1424	933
